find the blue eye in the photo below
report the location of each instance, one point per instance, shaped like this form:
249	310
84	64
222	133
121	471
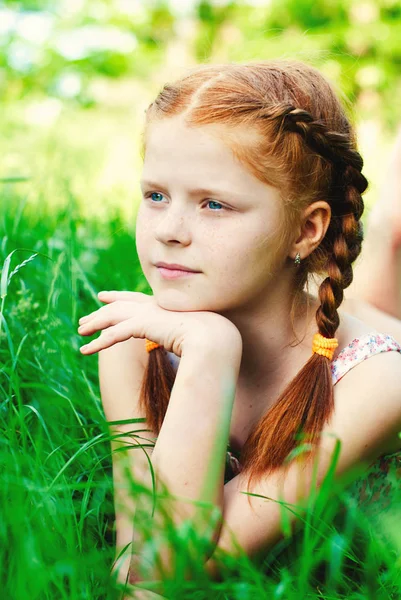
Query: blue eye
214	202
152	195
155	194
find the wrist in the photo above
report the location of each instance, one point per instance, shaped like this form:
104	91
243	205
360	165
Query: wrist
225	342
218	356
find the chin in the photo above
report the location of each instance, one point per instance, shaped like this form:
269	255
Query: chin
171	299
179	301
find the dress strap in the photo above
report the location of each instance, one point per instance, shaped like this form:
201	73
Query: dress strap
359	350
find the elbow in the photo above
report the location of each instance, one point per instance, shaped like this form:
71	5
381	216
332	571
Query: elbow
206	556
213	570
191	542
214	538
211	564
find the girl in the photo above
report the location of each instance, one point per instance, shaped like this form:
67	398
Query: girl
251	185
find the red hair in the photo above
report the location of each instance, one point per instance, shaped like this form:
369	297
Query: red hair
301	142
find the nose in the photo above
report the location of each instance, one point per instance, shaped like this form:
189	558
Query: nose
173	227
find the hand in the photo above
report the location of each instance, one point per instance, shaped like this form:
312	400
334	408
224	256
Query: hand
133	314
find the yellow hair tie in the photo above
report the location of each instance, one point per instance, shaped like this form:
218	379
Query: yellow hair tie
324	346
320	345
151	345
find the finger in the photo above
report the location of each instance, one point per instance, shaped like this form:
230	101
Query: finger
100	312
86	318
125	296
92	315
105	317
113	335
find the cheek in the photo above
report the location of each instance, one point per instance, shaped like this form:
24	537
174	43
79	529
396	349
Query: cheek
248	265
270	249
144	255
140	248
142	238
244	255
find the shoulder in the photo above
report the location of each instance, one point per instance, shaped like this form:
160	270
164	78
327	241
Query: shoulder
367	415
352	326
365	318
372	383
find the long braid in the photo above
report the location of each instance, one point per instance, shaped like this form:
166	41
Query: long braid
346	247
347	186
279	427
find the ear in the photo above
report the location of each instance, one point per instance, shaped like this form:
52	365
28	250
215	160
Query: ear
313	224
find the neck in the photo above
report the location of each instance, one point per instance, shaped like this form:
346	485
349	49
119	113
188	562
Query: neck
270	348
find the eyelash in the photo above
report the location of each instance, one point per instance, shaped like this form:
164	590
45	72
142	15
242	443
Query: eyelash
215	201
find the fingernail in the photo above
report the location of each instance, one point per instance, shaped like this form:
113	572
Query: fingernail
83	348
103	292
82	320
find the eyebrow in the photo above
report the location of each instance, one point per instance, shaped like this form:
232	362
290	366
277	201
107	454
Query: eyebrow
195	191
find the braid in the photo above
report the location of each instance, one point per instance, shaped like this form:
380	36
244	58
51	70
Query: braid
308	401
346	241
331	145
343	240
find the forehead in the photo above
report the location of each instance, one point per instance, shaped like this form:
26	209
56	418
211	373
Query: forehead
196	156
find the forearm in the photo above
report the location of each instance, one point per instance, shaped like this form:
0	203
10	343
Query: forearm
193	439
130	464
190	452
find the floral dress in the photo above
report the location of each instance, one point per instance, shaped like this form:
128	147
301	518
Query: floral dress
373	490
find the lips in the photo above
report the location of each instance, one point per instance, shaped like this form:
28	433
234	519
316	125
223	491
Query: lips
175	267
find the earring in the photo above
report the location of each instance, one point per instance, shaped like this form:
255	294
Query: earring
297	260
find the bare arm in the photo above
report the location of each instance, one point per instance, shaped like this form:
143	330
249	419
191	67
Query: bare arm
197	401
366	421
121	370
198	415
189	455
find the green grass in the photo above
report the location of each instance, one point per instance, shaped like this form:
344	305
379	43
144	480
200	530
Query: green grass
56	492
66	232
